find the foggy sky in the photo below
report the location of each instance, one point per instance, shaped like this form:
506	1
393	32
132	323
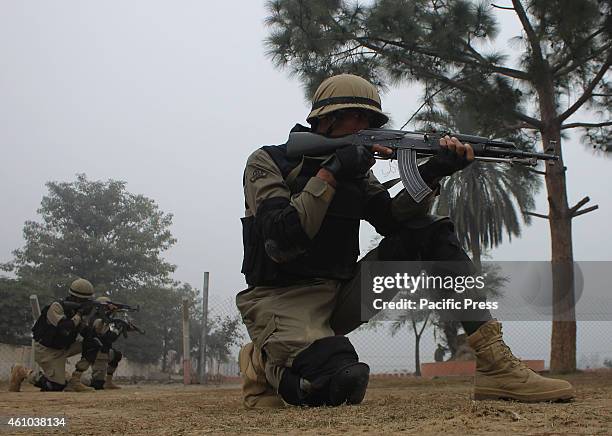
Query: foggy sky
172	97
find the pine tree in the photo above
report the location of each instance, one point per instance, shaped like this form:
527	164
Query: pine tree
565	66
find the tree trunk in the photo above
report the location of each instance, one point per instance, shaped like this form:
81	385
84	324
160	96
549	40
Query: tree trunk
164	354
450	334
563	338
417	356
475	246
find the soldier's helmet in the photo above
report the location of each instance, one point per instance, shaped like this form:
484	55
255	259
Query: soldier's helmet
346	91
81	288
103	299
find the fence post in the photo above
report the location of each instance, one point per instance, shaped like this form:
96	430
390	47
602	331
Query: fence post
35	314
186	345
202	367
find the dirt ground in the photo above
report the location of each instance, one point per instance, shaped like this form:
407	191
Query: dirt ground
392	405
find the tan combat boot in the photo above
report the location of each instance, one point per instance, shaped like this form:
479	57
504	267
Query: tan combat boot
18	375
255	388
74	384
500	375
108	383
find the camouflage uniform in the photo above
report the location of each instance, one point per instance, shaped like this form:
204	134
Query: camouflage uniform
301	244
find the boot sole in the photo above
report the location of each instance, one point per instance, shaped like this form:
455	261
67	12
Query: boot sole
496	394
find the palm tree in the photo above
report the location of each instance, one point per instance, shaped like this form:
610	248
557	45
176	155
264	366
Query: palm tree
485	200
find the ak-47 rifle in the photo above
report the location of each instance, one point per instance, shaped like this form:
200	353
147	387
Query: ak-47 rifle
111	312
407	147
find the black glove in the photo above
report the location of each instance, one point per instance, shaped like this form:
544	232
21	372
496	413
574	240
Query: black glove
349	162
444	163
85	308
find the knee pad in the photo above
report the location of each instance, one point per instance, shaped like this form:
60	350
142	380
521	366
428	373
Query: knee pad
47	385
114	357
91	346
97	384
349	384
326	373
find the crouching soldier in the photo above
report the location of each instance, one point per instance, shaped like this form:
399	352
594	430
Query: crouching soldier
55	339
108	358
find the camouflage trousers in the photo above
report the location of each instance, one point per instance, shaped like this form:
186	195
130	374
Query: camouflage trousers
283	321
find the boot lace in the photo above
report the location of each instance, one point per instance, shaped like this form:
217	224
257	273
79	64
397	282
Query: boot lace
507	353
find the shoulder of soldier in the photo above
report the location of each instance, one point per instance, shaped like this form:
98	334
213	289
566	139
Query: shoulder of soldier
56	307
260	164
259	157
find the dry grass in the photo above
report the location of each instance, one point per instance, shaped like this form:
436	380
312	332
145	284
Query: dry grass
391	406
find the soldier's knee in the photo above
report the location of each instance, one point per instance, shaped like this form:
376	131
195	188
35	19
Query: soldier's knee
115	357
328	372
47	385
410	243
97	384
82	365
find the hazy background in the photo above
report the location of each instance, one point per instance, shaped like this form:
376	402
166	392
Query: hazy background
172	97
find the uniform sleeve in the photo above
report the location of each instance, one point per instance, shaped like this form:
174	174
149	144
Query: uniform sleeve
57	317
385	213
282	218
56	314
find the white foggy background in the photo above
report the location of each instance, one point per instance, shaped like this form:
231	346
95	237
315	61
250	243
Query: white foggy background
172	97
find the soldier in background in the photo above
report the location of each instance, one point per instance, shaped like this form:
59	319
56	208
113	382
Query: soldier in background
108	358
55	340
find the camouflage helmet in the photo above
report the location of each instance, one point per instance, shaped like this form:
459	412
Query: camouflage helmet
81	288
346	91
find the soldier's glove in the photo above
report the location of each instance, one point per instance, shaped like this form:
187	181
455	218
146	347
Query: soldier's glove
444	163
349	162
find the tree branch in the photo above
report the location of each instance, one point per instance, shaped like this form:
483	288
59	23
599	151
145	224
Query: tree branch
541	173
531	35
565	61
578	205
537	124
587	92
502	7
587	210
573	125
510	72
539	215
424	323
520	126
580	62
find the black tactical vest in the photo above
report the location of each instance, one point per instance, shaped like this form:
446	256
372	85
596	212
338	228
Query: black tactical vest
51	336
333	252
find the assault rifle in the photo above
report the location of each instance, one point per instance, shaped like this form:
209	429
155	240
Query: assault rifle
407	147
111	312
122	319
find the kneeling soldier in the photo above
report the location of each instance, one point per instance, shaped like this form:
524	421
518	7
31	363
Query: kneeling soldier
55	335
108	358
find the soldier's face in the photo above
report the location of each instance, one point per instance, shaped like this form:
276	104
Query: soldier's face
351	121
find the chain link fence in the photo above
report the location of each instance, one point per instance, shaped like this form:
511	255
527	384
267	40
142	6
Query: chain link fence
388	353
384	351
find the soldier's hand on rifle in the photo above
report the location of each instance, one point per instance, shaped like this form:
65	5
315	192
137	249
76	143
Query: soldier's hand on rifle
350	161
452	157
353	160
